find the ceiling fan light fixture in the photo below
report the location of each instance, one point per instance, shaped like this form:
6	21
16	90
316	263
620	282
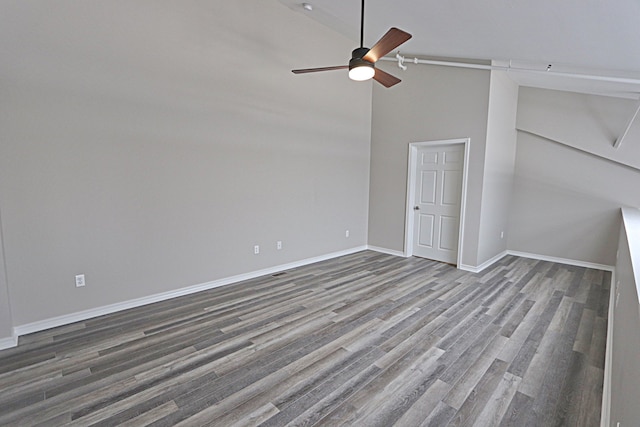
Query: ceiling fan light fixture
362	72
362	65
360	69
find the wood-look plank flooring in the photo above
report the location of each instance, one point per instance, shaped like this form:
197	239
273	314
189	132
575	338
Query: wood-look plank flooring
362	340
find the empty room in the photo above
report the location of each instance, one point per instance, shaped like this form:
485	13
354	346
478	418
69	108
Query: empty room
327	213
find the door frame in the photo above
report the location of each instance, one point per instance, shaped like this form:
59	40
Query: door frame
411	187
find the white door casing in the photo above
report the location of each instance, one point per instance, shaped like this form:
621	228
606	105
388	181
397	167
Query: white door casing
435	208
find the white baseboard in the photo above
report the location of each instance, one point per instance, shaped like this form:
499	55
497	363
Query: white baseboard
484	265
608	358
112	308
387	251
566	261
8	342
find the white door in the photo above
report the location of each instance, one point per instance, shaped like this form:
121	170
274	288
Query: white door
437	198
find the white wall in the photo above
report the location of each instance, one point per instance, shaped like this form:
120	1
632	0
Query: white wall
566	202
431	103
625	374
150	145
499	166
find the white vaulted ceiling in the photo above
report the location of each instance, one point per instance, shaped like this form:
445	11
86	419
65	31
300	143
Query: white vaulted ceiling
586	37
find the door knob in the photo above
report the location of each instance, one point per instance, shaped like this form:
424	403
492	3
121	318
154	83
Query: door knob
416	208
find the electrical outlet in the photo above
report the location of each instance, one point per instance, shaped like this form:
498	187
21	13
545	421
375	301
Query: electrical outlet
80	281
502	234
279	245
256	249
346	233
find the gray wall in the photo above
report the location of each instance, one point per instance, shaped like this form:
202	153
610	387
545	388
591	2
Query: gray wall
150	145
432	103
570	181
589	122
625	366
6	323
498	166
566	202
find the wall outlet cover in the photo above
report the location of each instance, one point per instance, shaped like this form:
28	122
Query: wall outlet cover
80	280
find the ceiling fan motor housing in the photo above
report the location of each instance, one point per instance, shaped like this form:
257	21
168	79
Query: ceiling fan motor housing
356	58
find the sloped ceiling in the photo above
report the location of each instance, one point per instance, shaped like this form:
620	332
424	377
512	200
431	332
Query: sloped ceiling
592	46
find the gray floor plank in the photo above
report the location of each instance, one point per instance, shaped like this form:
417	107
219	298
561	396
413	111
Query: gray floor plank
363	339
480	395
497	405
425	405
518	411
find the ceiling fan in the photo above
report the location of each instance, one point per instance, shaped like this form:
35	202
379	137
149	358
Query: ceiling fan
362	64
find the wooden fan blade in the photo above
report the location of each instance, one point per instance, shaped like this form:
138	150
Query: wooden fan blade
386	44
313	70
385	79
